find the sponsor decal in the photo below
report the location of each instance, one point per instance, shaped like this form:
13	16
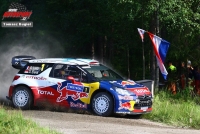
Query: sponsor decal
75	87
45	92
78	105
141	90
73	90
126	97
32	70
17	10
127	105
27	69
36	77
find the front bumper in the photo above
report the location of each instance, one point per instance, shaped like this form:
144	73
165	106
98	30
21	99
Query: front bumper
142	110
140	105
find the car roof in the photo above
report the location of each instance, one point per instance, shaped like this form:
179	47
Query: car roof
71	61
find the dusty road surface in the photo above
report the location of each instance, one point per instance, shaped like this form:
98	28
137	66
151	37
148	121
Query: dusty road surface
73	123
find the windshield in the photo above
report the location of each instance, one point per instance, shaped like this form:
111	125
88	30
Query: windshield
101	72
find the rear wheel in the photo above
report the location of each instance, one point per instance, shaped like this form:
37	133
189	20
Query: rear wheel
22	98
102	104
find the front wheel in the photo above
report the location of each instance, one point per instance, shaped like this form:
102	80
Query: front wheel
102	104
22	98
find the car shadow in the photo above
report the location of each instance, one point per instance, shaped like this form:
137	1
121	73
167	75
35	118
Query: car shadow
8	106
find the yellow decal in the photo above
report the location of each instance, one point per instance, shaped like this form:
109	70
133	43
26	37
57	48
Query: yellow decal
92	87
132	105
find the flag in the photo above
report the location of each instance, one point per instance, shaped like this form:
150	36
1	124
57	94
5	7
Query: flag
160	47
141	32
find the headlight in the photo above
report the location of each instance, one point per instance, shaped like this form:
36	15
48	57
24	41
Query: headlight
122	91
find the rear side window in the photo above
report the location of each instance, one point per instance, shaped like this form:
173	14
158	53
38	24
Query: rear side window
35	68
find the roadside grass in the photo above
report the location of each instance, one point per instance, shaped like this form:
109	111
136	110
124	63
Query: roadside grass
13	122
181	110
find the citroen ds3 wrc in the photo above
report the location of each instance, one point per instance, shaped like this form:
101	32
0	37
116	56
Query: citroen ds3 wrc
76	83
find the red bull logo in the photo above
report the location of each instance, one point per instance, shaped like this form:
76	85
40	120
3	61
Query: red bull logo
124	83
127	105
74	94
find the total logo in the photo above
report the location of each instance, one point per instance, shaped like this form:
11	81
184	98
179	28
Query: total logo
45	92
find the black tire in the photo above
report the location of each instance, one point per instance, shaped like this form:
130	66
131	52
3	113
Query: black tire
22	98
104	100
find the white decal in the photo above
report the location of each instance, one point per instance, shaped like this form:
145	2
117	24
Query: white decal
126	97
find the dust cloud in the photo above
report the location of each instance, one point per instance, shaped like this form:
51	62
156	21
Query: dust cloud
7	52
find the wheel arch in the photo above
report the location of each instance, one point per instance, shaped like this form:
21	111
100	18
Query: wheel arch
102	90
27	88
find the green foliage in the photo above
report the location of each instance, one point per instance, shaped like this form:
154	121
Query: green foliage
180	110
13	122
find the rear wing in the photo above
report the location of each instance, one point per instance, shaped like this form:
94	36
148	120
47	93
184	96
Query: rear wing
18	62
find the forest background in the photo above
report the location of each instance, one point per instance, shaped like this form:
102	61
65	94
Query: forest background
107	31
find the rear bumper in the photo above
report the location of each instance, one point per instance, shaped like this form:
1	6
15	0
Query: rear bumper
9	97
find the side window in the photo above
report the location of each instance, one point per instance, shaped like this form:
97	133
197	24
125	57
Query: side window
34	68
58	71
62	71
74	72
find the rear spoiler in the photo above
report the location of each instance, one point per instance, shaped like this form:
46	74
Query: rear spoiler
18	62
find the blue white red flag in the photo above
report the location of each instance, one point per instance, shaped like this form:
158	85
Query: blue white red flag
160	47
141	32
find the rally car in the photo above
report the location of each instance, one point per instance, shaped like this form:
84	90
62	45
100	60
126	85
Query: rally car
76	83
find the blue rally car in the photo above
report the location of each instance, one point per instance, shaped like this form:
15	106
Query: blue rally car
76	83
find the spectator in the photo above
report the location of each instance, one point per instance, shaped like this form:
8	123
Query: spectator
189	77
172	76
182	73
196	75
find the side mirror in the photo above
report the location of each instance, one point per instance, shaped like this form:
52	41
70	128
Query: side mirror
71	79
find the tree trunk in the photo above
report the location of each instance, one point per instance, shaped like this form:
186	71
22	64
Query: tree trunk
105	48
100	46
128	62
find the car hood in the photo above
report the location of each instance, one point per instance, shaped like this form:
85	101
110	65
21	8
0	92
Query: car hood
129	85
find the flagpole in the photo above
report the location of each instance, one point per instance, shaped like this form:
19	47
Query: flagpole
143	58
158	34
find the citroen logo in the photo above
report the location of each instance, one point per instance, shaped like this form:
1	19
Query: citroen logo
144	96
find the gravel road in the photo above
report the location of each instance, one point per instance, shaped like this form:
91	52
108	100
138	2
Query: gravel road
73	123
